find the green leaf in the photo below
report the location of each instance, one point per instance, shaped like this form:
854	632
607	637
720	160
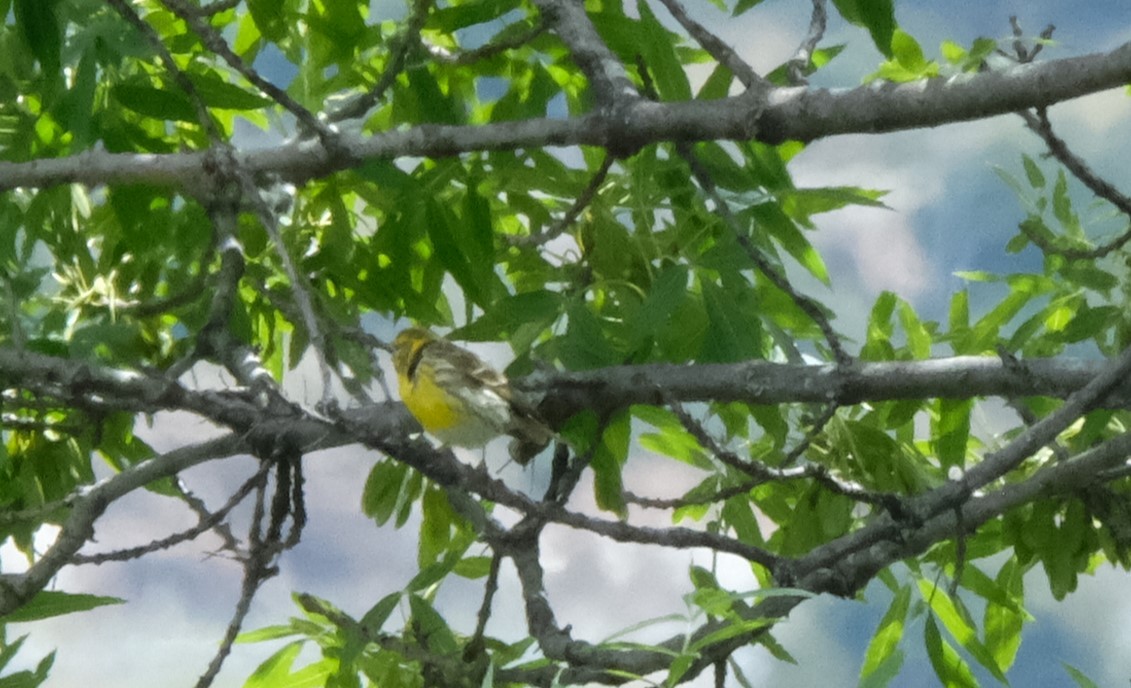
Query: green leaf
534	311
39	26
429	627
717	85
585	344
435	526
269	18
465	14
1062	207
672	439
801	204
733	332
217	93
742	6
878	345
473	567
656	315
385	490
48	603
159	103
952	52
1003	621
883	649
918	337
1033	172
1079	677
957	622
878	16
452	245
950	429
905	49
770	217
267	633
951	669
657	45
608	458
276	669
379	613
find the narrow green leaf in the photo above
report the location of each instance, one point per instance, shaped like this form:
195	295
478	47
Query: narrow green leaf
717	84
159	103
1033	172
885	642
771	218
656	313
430	629
379	613
435	526
609	457
383	490
269	18
742	6
951	669
1079	677
1003	622
952	52
956	621
1062	206
658	48
905	49
48	603
267	633
8	650
958	317
39	26
473	567
447	239
878	16
274	670
217	93
951	430
918	337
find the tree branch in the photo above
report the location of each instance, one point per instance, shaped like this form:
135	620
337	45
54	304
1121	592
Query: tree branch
796	113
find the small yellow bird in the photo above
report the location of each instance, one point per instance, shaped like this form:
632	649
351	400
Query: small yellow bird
459	398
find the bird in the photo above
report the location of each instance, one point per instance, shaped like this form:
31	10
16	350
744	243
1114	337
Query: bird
460	399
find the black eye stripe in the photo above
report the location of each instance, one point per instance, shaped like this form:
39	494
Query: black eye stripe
414	362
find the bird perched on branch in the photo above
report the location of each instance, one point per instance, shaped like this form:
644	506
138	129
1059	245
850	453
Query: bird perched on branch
460	399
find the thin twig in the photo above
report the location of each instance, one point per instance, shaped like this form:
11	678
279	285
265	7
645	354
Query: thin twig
202	115
807	304
815	429
256	570
580	203
487	50
706	182
215	43
398	54
718	48
1039	124
762	473
208	522
490	587
803	56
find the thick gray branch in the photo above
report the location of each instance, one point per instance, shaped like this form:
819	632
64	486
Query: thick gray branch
87	507
789	113
759	382
605	389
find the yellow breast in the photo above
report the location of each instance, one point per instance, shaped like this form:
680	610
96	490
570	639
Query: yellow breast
451	419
